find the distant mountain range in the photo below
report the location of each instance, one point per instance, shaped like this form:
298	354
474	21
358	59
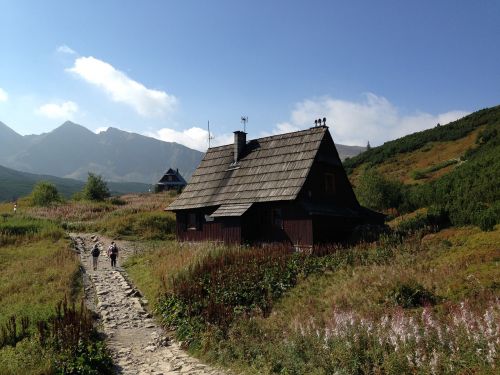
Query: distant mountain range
15	184
348	151
71	151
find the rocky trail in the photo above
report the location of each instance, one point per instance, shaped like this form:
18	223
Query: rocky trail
137	343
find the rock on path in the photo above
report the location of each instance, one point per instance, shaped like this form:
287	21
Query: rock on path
137	343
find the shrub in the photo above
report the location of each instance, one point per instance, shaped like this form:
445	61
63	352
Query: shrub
377	192
487	219
44	193
418	175
70	334
117	201
410	295
96	188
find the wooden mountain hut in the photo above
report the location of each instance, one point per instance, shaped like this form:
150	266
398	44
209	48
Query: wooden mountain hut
171	180
284	188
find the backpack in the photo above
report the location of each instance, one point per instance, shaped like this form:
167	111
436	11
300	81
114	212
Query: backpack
95	252
114	250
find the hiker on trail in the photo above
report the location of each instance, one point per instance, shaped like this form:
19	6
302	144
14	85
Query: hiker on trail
95	255
15	207
113	253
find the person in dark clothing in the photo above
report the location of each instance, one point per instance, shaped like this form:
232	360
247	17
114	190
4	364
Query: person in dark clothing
95	252
113	253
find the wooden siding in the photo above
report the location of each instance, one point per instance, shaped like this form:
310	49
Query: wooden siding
228	231
295	227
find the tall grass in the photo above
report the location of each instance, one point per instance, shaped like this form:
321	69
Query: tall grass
154	267
38	270
424	304
16	229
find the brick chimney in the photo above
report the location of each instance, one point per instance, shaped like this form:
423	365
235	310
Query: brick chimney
240	140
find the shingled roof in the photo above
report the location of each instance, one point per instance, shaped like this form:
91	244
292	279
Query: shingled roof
165	180
270	169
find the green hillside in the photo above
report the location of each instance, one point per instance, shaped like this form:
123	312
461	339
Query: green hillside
454	168
442	133
15	184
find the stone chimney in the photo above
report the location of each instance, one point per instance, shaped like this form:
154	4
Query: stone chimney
240	140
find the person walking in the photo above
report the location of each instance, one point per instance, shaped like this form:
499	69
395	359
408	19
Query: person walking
113	253
95	252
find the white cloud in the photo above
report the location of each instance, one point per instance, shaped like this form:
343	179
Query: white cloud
65	49
373	119
122	89
63	111
3	95
101	129
196	138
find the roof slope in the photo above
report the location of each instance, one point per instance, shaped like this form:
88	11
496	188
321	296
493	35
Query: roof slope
270	169
179	179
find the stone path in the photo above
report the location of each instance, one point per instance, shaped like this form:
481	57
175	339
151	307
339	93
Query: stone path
137	343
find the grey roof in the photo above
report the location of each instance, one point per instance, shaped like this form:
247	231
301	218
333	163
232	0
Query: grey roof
175	174
270	169
237	209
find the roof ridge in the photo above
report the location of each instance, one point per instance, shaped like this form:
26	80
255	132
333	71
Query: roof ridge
274	136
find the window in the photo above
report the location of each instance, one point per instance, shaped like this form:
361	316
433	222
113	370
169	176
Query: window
277	218
192	221
329	183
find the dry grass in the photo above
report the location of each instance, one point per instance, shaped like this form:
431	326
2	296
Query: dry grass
153	268
35	277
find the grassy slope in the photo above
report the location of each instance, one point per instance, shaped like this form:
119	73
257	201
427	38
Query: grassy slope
456	264
398	159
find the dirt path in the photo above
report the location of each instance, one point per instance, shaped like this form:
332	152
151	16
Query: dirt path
137	343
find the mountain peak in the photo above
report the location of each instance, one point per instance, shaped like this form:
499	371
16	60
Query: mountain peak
5	130
69	126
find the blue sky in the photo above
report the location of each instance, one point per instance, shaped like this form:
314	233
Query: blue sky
376	69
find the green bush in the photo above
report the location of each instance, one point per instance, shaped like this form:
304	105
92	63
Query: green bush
410	295
418	175
376	192
488	218
89	358
44	193
96	188
117	201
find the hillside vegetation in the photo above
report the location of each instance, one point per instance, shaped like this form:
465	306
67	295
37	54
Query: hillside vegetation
453	131
454	168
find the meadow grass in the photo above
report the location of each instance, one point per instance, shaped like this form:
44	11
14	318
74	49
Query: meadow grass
35	277
347	312
37	273
152	269
131	217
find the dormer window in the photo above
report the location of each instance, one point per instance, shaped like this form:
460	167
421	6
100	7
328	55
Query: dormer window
329	183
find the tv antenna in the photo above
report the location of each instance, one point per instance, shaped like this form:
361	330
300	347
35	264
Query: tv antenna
210	136
244	120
